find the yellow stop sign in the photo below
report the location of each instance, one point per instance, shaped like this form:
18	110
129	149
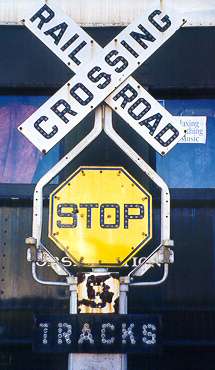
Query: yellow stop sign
100	216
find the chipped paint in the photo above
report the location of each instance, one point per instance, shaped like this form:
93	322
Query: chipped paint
98	293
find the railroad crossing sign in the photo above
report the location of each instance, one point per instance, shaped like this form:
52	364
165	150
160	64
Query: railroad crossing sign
102	74
100	216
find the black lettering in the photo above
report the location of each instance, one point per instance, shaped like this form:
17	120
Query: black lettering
47	135
156	118
99	77
75	51
72	215
168	127
69	42
89	207
77	97
45	14
165	20
135	105
126	98
61	113
117	60
57	32
129	48
128	217
114	225
139	37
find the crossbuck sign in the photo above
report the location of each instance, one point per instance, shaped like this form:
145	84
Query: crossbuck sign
102	74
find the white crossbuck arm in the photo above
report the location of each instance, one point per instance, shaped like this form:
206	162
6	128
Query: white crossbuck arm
102	74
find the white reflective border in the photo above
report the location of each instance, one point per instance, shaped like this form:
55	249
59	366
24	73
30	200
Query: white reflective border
113	12
55	170
104	120
165	195
51	127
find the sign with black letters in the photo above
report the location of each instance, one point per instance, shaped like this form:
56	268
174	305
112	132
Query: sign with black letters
97	333
99	73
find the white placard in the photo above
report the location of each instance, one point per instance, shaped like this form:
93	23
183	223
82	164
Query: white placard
195	127
98	75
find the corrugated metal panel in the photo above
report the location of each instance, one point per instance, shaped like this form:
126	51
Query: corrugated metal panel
112	12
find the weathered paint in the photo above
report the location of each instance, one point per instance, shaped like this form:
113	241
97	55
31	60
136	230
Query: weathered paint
112	12
98	293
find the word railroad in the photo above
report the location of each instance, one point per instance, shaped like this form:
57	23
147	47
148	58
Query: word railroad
102	75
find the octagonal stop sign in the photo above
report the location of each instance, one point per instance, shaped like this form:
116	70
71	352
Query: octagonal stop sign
100	216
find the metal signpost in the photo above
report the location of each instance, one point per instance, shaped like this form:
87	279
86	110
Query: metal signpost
100	216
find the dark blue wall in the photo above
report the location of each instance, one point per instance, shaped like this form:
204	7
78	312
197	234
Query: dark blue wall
187	300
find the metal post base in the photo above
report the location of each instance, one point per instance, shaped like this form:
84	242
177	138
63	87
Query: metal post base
88	361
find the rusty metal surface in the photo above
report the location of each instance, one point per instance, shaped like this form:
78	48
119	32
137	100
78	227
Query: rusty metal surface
98	293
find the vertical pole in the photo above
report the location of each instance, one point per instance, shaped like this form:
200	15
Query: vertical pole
72	309
123	308
102	361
